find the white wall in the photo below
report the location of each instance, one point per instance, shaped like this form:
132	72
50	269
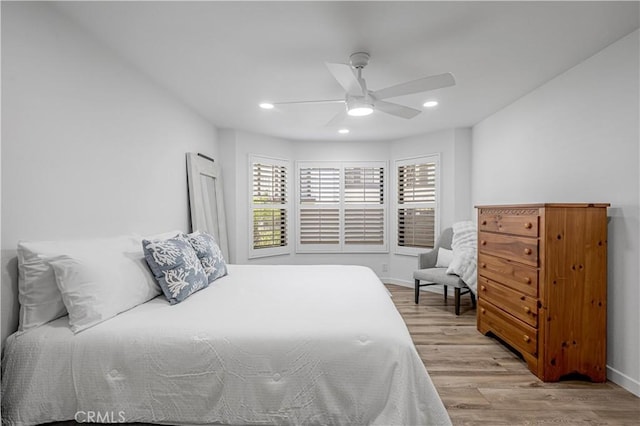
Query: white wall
235	146
576	139
462	174
90	147
454	146
343	151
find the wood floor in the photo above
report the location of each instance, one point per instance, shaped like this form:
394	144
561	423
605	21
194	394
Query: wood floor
481	382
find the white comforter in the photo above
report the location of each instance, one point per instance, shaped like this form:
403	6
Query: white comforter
264	345
465	249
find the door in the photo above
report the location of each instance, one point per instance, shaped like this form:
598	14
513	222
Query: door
206	200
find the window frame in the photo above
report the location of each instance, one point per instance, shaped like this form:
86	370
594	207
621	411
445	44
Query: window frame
255	253
342	206
422	159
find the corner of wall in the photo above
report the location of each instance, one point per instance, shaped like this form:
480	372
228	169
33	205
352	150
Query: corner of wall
228	148
462	138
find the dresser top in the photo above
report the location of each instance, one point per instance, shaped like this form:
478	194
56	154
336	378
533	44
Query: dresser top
538	205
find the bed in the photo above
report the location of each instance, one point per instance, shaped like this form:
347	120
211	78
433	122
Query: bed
222	344
261	345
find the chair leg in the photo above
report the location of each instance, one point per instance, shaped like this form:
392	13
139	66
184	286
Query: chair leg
445	294
473	298
417	283
457	293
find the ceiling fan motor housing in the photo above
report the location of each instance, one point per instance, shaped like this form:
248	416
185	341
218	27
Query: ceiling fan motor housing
359	60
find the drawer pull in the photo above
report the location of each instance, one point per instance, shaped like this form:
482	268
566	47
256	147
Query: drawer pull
526	338
528	225
527	309
484	222
527	280
483	265
483	310
483	288
527	251
483	242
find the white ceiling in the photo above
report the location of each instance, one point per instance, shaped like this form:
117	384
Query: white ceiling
223	58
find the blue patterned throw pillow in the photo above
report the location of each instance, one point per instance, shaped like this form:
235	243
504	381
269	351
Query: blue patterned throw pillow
209	254
175	266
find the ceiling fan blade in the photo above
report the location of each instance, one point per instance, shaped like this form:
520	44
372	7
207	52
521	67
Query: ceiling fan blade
324	101
416	86
343	73
395	109
337	119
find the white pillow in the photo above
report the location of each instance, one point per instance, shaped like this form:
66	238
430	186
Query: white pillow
38	293
103	281
39	297
444	258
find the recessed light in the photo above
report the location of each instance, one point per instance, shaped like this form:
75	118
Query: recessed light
343	131
266	105
430	104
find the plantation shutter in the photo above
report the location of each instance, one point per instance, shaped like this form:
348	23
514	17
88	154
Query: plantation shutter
319	185
319	226
416	204
319	201
341	207
364	217
269	184
269	203
269	228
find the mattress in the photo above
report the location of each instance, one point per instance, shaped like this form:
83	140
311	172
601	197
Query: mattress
263	345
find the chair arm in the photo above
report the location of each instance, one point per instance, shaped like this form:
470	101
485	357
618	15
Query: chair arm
428	259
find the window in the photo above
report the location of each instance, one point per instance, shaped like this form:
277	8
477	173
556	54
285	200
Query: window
416	203
341	207
269	207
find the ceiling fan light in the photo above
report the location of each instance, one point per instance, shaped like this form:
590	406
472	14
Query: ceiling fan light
430	104
360	111
359	107
266	105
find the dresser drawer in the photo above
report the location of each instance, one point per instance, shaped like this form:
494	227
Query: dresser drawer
513	331
508	222
523	307
519	249
519	277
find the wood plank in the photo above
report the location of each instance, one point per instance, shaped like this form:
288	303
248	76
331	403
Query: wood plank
484	416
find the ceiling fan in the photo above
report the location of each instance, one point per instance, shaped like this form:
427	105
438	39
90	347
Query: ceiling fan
360	101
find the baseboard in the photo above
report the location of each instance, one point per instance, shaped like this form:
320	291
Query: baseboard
404	283
623	381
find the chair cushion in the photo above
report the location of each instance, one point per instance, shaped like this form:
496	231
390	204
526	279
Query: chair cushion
444	258
440	276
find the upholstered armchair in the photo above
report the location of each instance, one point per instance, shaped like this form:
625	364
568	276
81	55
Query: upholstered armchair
428	274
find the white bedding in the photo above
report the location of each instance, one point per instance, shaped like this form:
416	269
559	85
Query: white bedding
465	252
263	345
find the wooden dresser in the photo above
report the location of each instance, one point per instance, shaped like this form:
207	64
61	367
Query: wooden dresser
542	285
